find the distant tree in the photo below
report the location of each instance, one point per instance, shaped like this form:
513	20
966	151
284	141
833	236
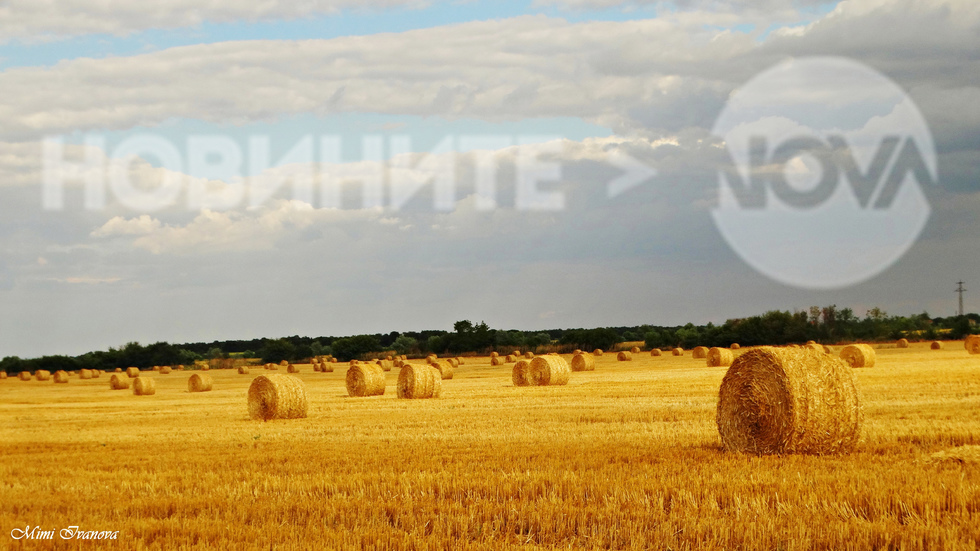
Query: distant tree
215	353
352	347
405	345
277	350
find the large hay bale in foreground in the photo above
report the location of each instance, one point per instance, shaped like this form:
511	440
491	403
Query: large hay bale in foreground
699	352
583	362
521	374
597	352
133	372
902	343
496	360
635	350
42	375
655	352
936	345
720	357
446	370
61	376
419	381
365	380
85	374
549	371
118	381
144	386
165	370
775	401
243	370
200	382
624	356
677	351
972	344
858	355
277	396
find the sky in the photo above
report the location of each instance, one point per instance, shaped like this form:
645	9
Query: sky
194	171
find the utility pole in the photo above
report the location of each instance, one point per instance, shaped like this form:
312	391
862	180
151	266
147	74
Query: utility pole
960	290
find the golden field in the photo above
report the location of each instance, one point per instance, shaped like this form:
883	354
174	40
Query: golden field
625	457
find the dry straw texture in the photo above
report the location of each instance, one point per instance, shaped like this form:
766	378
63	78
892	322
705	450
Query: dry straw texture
936	345
419	381
277	396
677	351
445	369
316	367
85	374
199	382
494	354
292	368
583	362
902	343
156	368
529	355
61	376
858	355
515	353
521	374
385	365
118	370
496	360
284	363
365	380
775	401
624	356
635	350
144	386
243	370
326	367
133	372
24	375
699	352
42	375
96	373
972	344
549	371
511	358
816	347
118	382
655	352
720	357
460	360
165	370
735	346
3	375
453	362
597	352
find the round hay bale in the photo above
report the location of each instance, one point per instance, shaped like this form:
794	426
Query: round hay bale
3	375
446	370
42	375
277	396
385	365
397	362
549	371
389	358
118	370
326	368
24	375
735	346
583	362
453	362
597	352
85	374
815	347
699	352
936	345
291	368
902	343
133	372
720	357
528	355
365	380
677	351
432	359
827	349
334	360
775	401
521	375
284	363
656	352
494	354
858	355
515	353
316	367
144	386
496	360
811	342
243	370
205	367
460	360
511	358
61	376
180	367
419	381
165	370
972	344
118	382
635	350
199	382
624	356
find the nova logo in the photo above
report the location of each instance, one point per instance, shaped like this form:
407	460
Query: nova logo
824	182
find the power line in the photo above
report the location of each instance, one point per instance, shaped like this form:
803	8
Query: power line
960	290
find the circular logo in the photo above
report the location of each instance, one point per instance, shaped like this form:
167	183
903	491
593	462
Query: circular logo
826	163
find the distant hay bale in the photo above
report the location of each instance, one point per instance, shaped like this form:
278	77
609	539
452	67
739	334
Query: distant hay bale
496	360
699	352
529	354
431	359
446	370
365	380
815	347
389	358
635	350
811	342
827	349
397	362
156	368
902	343
624	356
515	353
199	382
133	372
936	345
972	344
521	375
165	370
3	375
284	363
316	367
277	396
42	375
118	370
735	346
655	352
144	386
326	367
292	368
677	351
453	362
858	355
243	370
775	401
720	357
576	351
61	376
385	365
460	360
511	358
24	375
334	360
205	367
180	367
118	382
85	374
597	352
583	362
419	381
549	371
494	354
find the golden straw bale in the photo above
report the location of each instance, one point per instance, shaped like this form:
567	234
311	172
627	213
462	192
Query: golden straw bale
61	376
699	352
334	360
243	370
635	350
326	367
972	344
735	346
180	367
815	347
200	382
460	360
677	351
902	343
365	380
24	375
936	345
385	365
720	357
549	371
858	355
389	358
521	375
431	359
144	386
118	370
511	358
496	360
419	381
576	351
811	342
118	382
446	371
624	356
597	352
133	372
292	368
583	362
42	375
316	367
85	374
656	352
156	368
778	400
277	396
3	375
453	362
165	370
284	363
494	354
529	354
515	353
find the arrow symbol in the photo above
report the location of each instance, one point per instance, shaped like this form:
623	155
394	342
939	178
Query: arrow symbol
634	173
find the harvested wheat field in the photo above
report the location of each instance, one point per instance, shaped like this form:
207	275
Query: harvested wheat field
624	457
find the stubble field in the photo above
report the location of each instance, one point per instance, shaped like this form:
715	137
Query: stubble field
625	457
